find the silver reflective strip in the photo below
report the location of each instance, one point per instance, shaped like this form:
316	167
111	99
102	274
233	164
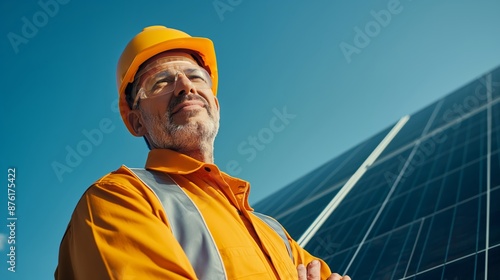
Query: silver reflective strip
187	224
276	226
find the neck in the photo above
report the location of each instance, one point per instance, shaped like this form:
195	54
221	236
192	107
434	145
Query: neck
203	152
203	155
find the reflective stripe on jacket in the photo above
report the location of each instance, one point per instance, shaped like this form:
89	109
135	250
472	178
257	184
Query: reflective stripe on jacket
189	227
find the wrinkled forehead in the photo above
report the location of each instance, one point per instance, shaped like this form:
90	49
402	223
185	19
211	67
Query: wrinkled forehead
170	59
170	56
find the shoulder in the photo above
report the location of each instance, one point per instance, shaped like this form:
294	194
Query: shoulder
120	176
120	182
117	192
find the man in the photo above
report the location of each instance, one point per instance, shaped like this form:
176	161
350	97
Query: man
126	226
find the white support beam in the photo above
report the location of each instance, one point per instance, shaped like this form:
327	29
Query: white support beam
320	220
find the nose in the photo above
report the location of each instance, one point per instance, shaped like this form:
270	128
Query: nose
183	85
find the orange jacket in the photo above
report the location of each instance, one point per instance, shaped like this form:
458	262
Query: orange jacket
119	229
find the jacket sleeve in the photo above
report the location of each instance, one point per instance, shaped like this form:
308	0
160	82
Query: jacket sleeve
120	231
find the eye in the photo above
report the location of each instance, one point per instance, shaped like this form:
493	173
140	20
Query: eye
158	87
161	81
195	78
165	77
196	75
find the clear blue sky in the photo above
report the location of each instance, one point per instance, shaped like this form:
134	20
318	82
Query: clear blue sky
306	79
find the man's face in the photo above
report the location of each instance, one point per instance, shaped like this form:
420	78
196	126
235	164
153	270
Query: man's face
184	118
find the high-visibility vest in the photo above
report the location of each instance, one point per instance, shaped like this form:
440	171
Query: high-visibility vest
189	227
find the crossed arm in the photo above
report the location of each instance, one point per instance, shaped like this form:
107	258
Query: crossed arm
312	272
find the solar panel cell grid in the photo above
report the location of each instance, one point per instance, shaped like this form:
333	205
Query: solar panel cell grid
419	212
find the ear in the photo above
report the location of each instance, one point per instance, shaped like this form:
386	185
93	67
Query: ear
217	102
135	120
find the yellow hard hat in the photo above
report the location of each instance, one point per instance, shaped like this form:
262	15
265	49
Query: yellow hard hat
152	41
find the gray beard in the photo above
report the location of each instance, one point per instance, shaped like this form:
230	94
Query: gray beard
194	136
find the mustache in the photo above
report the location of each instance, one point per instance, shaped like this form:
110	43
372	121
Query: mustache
186	97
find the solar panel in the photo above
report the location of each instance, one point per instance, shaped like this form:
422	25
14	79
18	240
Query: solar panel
426	209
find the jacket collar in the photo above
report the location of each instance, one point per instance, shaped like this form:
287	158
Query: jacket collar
173	162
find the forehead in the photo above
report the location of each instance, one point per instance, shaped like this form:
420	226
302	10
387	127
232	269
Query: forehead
169	56
152	65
